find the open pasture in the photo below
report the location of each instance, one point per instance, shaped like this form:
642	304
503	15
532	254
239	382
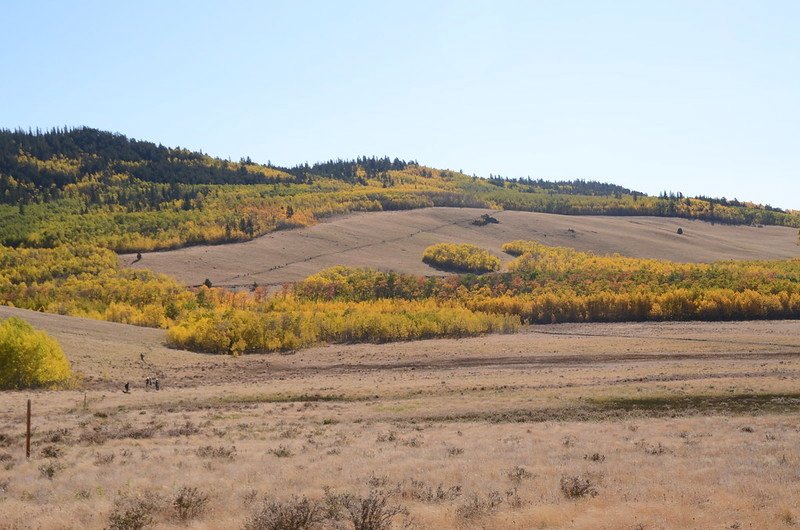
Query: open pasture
396	241
650	425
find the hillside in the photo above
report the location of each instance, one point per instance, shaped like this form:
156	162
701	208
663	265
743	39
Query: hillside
108	353
396	240
79	186
71	198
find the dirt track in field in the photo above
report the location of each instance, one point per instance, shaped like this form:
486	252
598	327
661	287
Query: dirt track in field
396	240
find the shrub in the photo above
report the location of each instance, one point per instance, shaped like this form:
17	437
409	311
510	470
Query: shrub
132	513
51	451
30	358
49	469
209	451
186	429
484	220
655	449
467	258
518	473
281	452
577	487
372	512
419	490
189	503
295	514
103	459
476	506
57	435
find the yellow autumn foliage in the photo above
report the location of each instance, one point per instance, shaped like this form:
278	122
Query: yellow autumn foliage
344	304
289	323
29	358
460	257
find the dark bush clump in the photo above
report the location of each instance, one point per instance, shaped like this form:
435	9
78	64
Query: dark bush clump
189	503
294	514
576	487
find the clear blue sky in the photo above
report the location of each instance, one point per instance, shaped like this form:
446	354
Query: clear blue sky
697	96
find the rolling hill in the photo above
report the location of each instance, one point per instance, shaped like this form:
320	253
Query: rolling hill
395	241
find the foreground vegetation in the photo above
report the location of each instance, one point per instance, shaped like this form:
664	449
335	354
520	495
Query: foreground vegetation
84	186
341	304
695	426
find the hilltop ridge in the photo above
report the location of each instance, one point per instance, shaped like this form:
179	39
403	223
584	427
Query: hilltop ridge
83	185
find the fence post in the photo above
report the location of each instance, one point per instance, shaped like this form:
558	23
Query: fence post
28	433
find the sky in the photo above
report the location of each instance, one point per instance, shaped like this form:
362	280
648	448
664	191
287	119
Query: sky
699	96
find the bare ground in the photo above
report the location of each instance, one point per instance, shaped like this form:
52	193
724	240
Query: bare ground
690	425
396	240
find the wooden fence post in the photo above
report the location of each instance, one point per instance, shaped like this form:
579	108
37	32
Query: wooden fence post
28	433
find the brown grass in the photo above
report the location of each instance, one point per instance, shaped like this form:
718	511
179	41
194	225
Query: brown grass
590	426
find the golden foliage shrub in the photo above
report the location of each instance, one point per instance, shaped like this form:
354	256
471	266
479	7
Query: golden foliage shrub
460	257
30	358
287	324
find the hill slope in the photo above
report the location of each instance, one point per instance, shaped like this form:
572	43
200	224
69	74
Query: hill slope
84	186
395	241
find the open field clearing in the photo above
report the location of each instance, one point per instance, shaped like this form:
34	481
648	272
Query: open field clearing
396	240
660	425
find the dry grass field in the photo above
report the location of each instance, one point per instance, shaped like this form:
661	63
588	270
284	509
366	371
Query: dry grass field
396	240
654	425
